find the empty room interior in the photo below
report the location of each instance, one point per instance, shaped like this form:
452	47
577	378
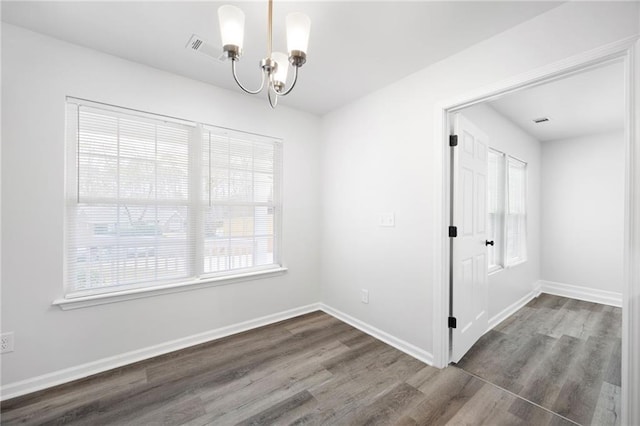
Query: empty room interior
420	213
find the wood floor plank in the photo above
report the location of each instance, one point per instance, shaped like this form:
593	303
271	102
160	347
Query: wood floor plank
533	415
445	395
515	321
488	406
345	393
487	356
388	407
317	370
575	304
608	410
523	362
556	352
273	367
613	373
261	394
422	376
69	402
284	412
579	395
567	322
176	412
545	300
544	385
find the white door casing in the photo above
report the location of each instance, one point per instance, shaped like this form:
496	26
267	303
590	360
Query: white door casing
469	255
627	49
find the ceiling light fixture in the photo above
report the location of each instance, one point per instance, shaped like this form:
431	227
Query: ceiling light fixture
276	65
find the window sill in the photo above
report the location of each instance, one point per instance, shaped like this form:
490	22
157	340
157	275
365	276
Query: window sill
516	263
103	299
495	270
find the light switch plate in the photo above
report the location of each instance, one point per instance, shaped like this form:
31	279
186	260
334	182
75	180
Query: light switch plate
387	220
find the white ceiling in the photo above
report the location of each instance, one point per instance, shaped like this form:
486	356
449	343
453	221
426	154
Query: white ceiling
356	47
587	103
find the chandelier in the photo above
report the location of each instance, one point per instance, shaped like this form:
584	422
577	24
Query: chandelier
275	66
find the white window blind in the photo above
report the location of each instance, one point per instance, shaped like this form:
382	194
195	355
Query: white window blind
241	200
152	201
495	191
507	213
516	246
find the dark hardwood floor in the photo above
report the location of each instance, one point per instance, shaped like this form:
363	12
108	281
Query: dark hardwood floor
317	370
562	354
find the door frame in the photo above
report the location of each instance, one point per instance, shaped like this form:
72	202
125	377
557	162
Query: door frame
627	50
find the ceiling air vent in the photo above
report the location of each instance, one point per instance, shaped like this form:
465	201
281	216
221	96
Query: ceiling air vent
197	44
540	120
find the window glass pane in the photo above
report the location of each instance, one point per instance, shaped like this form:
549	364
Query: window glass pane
241	220
263	187
115	246
516	215
495	194
129	226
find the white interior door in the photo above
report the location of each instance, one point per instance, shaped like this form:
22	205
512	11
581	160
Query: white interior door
469	256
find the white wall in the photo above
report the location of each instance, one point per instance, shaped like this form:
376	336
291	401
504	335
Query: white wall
378	157
583	184
37	73
509	285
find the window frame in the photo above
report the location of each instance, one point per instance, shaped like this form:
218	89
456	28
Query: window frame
499	240
74	297
523	256
502	241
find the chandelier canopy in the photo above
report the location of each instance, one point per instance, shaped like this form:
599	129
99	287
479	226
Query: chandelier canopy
275	66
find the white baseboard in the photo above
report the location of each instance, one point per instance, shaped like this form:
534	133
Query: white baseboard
511	309
399	344
582	293
44	381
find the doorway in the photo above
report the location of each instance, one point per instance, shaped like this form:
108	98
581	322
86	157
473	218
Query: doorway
620	51
555	201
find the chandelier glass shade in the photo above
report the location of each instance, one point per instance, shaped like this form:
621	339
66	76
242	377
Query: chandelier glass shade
275	66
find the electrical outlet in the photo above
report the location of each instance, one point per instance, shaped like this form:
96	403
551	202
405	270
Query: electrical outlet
364	296
6	342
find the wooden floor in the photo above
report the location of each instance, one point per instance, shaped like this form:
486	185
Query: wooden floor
315	370
562	354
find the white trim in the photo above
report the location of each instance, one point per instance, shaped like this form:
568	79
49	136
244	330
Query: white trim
631	289
101	299
44	381
401	345
441	255
627	49
513	308
604	297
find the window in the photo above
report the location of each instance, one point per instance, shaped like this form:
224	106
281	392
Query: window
495	191
506	211
516	246
153	201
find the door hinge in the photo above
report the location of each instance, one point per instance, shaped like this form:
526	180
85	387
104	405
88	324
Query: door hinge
453	231
453	322
453	140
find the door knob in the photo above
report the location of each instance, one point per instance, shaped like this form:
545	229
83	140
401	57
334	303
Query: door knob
488	243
